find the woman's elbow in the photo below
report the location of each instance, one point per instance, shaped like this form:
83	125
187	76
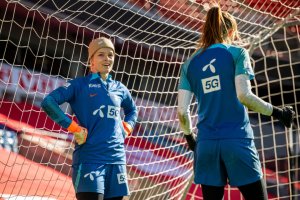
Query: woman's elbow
45	103
242	98
181	111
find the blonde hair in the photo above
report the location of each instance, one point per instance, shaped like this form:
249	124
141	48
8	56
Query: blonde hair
216	28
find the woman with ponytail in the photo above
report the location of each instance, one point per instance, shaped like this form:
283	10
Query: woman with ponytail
219	75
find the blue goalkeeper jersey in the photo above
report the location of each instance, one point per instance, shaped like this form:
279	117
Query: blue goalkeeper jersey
211	77
97	105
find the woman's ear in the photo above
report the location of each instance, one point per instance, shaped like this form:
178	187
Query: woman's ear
92	66
230	32
231	35
92	69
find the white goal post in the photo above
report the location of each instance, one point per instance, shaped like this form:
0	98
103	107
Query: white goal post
43	44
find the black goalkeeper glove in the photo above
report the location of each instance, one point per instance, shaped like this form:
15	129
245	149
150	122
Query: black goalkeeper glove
191	141
284	115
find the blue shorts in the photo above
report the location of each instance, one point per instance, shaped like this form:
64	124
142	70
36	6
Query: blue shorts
235	160
110	180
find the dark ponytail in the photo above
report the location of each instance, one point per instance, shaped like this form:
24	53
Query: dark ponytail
216	27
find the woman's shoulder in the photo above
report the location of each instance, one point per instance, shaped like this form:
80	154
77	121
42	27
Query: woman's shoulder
119	84
78	81
236	50
235	47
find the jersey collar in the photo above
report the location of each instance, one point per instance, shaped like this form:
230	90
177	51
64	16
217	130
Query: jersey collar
97	75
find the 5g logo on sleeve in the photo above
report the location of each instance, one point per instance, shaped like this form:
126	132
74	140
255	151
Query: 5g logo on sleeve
211	84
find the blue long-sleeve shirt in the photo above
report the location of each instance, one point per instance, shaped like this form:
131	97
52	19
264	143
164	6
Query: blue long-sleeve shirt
97	105
210	76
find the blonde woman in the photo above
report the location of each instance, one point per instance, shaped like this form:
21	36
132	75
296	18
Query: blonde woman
99	170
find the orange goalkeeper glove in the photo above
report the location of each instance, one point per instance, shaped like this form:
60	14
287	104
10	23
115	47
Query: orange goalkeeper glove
80	133
127	128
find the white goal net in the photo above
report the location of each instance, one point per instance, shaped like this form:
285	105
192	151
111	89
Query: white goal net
44	43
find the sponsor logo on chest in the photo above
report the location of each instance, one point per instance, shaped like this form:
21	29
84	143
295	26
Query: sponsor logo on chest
94	85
